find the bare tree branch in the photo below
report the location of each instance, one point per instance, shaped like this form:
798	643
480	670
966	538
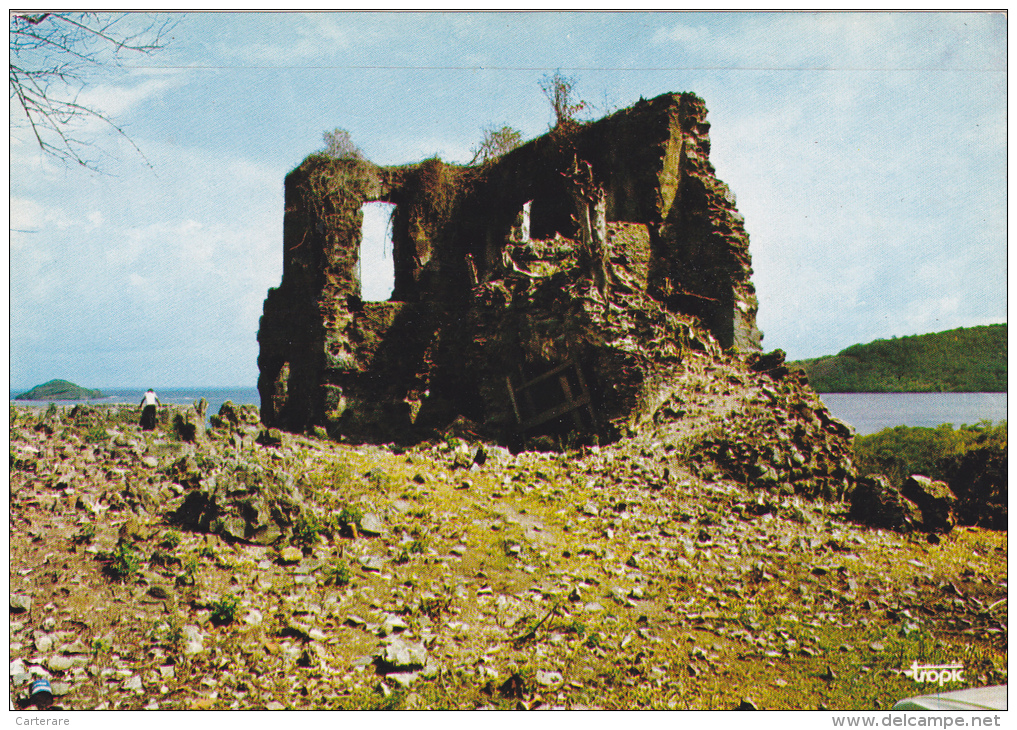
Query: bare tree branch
52	56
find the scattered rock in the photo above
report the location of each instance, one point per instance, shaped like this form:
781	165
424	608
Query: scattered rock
934	499
401	655
372	563
514	686
272	437
290	554
193	639
20	603
878	503
371	524
159	592
548	679
60	663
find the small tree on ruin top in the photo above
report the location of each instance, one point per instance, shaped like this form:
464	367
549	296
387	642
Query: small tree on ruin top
496	143
339	146
561	93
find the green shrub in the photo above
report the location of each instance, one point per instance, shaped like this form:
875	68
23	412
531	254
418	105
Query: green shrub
207	552
95	435
101	646
902	451
84	535
350	517
337	574
307	528
123	562
224	611
190	567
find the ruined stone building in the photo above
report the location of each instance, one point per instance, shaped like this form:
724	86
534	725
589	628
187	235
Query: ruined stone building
493	317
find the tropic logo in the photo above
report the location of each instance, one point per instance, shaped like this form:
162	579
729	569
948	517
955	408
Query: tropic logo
940	673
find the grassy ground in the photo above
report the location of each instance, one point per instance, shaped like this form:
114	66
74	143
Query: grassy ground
605	578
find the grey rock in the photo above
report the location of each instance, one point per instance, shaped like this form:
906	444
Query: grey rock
934	499
402	655
373	563
290	554
159	592
193	639
876	502
20	603
59	663
548	679
371	524
76	647
392	624
59	689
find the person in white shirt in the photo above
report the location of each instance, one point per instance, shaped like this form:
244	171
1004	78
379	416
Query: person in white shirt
149	402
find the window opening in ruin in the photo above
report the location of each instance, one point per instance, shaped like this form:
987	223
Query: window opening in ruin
377	268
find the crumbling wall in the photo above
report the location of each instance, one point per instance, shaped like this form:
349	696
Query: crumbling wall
484	299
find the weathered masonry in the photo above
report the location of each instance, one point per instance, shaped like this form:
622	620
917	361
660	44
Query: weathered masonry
492	317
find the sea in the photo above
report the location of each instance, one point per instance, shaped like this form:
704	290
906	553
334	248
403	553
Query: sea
169	396
868	413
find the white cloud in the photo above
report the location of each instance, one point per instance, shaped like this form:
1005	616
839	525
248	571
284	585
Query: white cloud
681	34
116	100
842	40
305	37
26	214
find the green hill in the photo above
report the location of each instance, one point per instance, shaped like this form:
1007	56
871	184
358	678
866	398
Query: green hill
964	360
59	390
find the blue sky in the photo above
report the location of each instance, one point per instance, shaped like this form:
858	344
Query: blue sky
867	152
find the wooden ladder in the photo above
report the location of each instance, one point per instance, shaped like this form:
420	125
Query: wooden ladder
570	402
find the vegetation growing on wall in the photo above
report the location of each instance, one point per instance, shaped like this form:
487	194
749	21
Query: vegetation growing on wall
439	187
967	359
496	143
561	93
339	146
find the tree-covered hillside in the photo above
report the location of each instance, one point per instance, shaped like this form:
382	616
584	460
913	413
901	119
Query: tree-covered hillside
59	390
967	359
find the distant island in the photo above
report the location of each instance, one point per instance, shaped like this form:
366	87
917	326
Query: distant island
59	390
963	360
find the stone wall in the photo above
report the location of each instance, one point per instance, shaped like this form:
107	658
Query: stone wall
475	291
